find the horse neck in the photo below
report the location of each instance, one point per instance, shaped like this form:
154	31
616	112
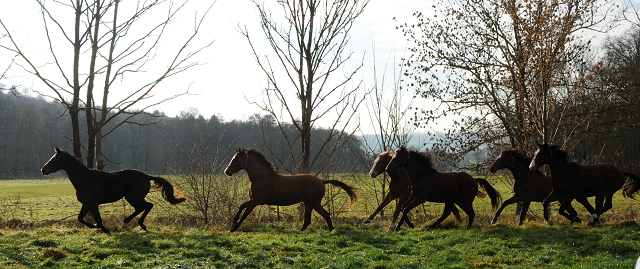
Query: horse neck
398	175
77	173
257	171
557	166
520	171
416	170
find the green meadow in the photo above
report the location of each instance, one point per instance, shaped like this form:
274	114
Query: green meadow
39	230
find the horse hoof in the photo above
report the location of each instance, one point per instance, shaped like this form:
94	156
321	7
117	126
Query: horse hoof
411	225
592	220
366	221
576	220
397	229
493	221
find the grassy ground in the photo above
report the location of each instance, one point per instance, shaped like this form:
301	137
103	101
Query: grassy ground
40	230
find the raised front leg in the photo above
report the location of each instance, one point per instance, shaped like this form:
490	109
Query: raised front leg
387	199
247	207
83	212
509	201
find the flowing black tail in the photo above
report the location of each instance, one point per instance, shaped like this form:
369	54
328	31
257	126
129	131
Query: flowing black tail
345	187
492	192
631	186
167	191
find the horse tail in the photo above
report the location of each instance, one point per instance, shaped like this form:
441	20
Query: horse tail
167	191
491	191
631	186
345	187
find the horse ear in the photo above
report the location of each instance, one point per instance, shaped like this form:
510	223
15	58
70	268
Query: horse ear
57	149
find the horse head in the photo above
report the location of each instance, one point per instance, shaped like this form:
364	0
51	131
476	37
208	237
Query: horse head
399	160
380	163
238	162
542	156
56	163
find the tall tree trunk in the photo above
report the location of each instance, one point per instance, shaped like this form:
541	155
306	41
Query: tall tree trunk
74	108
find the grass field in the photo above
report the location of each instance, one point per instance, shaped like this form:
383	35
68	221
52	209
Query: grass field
40	230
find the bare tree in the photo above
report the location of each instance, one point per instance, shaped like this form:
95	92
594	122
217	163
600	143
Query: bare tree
109	43
310	50
504	72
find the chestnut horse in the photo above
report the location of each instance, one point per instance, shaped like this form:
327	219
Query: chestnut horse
399	188
528	186
95	187
270	188
570	180
427	184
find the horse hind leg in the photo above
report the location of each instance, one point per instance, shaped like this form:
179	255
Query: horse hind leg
327	217
445	214
140	205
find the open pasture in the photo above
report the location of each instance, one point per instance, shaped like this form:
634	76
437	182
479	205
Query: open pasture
39	229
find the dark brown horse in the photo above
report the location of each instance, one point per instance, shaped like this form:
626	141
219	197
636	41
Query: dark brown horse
270	188
399	188
94	187
571	180
528	186
427	184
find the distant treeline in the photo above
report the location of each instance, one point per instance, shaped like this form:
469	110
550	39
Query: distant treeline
153	142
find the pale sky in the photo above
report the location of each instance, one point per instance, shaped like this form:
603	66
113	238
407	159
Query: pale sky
228	74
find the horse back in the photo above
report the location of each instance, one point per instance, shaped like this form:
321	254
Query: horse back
589	180
107	187
450	186
290	189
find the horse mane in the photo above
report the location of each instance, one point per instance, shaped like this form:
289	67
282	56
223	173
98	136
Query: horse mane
423	157
69	156
259	156
560	152
520	155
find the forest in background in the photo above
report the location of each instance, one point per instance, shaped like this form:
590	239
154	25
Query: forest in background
154	143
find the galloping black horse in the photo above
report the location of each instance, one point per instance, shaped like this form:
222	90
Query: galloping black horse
571	180
529	186
427	184
94	187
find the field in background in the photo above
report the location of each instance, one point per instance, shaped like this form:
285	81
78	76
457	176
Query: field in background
39	229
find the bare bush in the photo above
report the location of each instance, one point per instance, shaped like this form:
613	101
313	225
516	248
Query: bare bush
213	197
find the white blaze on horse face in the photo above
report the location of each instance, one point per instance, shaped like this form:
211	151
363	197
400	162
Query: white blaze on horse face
372	172
227	171
534	166
45	166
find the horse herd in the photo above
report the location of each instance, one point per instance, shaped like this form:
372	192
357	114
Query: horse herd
414	181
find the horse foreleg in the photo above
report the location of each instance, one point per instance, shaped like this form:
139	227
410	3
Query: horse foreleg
456	213
248	207
307	216
408	206
602	205
565	206
445	214
96	216
387	199
545	206
327	217
523	210
83	212
504	204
